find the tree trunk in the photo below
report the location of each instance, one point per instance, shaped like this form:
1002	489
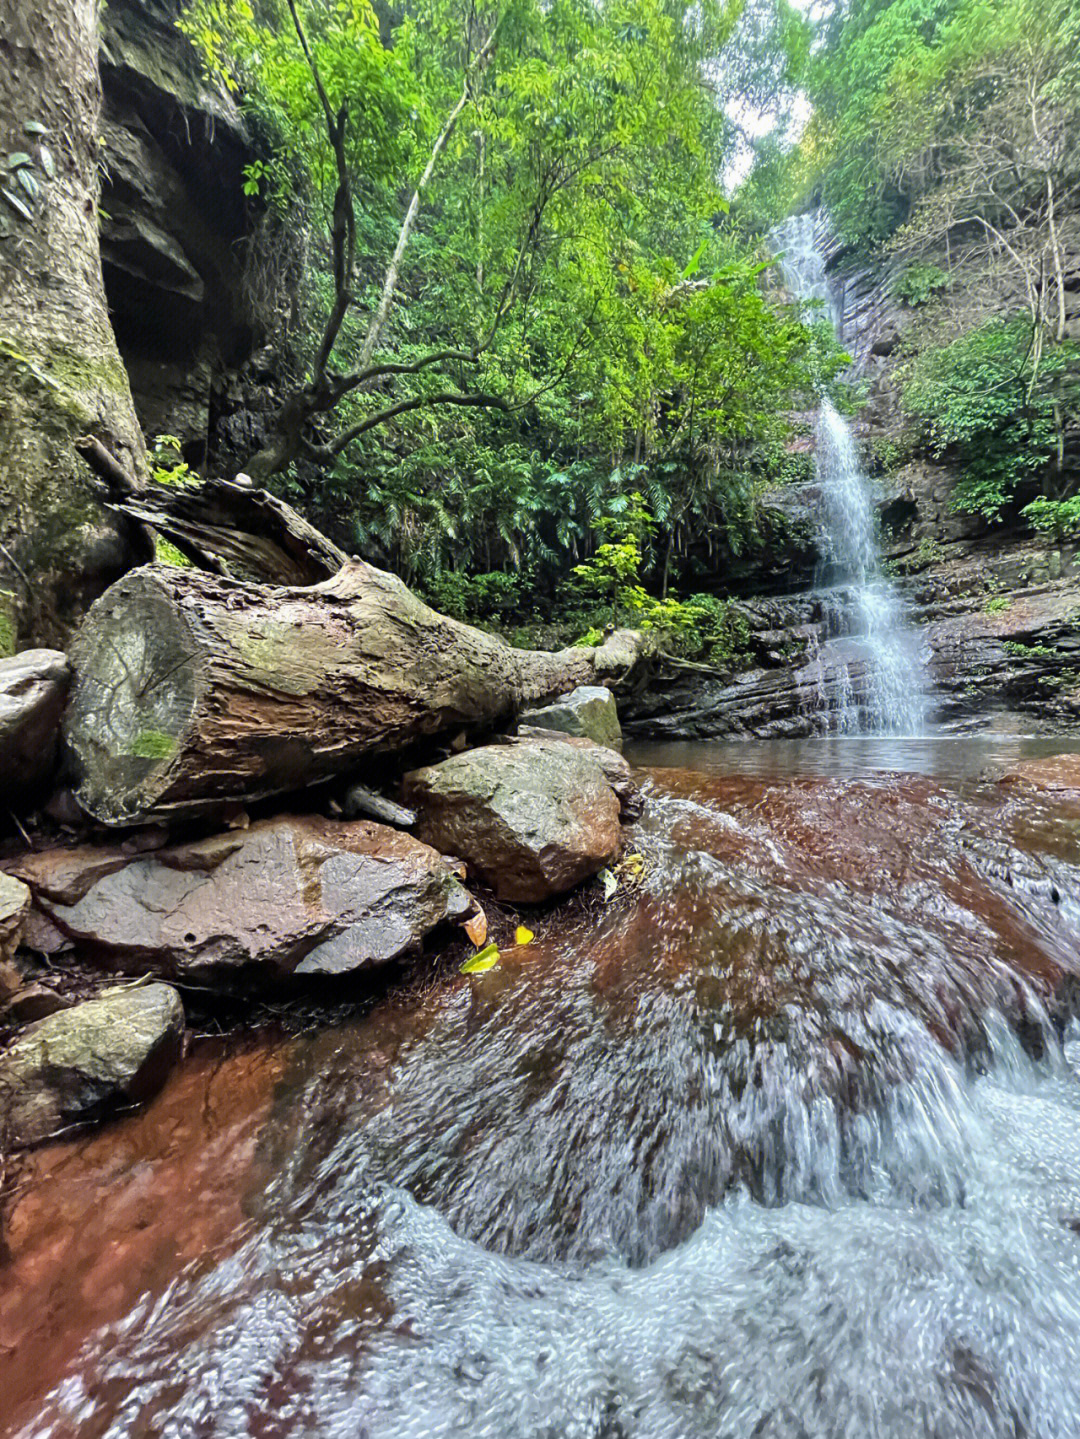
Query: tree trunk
60	371
192	690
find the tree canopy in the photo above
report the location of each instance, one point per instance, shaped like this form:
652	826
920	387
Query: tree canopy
523	299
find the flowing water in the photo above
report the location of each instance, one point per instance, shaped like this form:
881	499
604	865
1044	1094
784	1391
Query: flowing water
783	1144
875	680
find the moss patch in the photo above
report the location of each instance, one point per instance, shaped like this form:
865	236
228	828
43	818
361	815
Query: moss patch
152	744
7	624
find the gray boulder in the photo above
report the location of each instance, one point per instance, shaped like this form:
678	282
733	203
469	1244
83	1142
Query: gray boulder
616	770
287	896
530	819
80	1063
589	712
33	689
14	908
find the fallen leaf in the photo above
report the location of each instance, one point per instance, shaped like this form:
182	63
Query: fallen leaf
486	958
523	935
610	883
476	928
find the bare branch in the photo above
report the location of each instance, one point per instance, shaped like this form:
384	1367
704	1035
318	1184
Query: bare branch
382	310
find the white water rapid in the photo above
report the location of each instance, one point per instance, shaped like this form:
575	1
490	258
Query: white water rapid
874	681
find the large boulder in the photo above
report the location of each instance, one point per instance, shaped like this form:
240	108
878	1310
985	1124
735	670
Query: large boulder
530	819
77	1064
287	896
616	770
33	688
589	711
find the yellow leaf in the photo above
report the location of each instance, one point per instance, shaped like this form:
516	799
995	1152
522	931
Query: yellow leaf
476	928
486	958
634	863
523	935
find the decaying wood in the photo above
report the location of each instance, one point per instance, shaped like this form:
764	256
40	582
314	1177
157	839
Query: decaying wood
360	800
233	529
193	690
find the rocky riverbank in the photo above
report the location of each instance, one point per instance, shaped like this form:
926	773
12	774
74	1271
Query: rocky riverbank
107	935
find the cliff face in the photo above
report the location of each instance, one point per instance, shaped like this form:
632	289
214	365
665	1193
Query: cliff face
174	223
997	608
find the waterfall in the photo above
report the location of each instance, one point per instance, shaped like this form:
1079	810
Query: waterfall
875	681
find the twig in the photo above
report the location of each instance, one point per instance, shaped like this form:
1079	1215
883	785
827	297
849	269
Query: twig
18	825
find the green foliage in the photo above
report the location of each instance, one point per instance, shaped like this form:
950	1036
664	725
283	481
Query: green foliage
712	630
613	573
1059	519
998	605
167	463
1022	651
919	282
981	399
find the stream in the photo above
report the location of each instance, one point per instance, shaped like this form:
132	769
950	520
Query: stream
781	1145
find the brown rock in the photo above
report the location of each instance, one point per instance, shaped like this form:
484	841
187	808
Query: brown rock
287	896
532	818
33	1002
1059	772
14	908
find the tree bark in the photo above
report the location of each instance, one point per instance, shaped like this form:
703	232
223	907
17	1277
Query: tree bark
193	690
60	371
237	530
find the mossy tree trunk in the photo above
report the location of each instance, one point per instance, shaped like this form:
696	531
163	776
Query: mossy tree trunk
60	372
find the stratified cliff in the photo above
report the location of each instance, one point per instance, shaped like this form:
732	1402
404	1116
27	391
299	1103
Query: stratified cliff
176	228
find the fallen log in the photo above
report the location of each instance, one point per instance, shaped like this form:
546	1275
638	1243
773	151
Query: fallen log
193	690
236	530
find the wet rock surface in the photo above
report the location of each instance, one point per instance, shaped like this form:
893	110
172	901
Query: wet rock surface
33	688
531	819
797	1104
81	1062
288	896
589	712
616	770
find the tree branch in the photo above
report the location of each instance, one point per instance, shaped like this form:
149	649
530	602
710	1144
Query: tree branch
382	310
329	452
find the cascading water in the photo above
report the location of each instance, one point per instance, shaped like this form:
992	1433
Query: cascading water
782	1146
875	681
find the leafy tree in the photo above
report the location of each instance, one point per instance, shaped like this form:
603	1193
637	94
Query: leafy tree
534	130
977	399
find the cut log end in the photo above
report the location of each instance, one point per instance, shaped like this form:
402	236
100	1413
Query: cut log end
138	684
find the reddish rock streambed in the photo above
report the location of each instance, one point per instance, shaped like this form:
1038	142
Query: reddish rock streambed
787	1145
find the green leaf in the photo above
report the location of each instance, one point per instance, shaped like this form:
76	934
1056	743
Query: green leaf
484	959
29	183
48	164
18	159
35	127
609	882
695	261
17	205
